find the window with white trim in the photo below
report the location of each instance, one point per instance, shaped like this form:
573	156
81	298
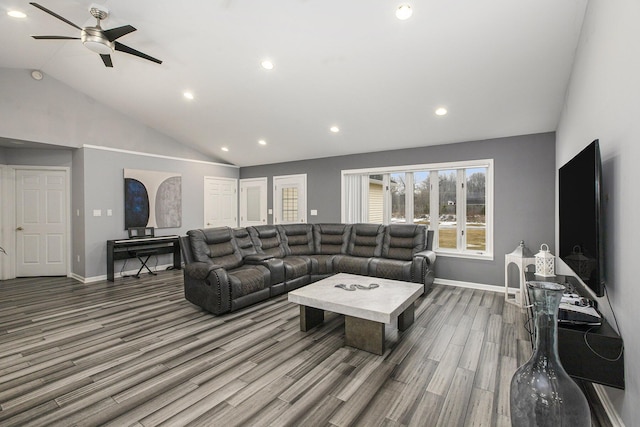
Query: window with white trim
455	200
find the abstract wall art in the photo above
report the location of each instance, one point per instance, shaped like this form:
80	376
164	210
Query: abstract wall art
152	199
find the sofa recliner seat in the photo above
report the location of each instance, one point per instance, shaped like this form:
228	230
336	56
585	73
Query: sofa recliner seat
227	269
269	240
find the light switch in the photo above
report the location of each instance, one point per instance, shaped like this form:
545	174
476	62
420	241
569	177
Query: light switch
109	212
314	212
270	211
97	212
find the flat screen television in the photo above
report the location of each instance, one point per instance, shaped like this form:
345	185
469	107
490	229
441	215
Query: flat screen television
580	207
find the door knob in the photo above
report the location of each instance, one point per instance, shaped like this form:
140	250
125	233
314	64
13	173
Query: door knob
19	229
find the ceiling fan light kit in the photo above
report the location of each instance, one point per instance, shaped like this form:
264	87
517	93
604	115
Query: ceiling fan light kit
102	42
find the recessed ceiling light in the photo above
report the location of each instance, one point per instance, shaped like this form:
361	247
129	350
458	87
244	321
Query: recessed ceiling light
334	129
404	11
224	149
37	75
267	65
262	142
188	95
441	111
16	14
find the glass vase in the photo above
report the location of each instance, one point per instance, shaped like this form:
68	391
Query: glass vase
542	393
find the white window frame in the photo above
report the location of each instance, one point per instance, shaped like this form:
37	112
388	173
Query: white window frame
461	251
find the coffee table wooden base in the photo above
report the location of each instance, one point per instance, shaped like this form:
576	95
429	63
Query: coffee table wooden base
310	317
406	318
362	334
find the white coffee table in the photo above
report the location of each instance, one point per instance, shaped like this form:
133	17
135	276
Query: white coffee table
366	311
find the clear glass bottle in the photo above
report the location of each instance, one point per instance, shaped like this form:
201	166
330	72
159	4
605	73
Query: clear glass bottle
542	393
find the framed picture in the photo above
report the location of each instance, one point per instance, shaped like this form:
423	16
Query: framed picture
152	199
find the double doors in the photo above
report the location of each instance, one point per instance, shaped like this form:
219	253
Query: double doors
289	200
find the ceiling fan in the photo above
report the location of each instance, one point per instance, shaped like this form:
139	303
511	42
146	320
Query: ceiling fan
95	38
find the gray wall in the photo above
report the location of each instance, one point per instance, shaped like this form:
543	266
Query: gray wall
37	157
524	204
103	188
97	182
78	222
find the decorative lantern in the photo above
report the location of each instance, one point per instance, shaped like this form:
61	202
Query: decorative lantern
521	257
545	262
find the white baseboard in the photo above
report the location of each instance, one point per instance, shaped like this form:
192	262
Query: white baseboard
117	275
77	277
472	285
607	405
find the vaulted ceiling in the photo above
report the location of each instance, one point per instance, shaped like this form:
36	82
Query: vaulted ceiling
500	68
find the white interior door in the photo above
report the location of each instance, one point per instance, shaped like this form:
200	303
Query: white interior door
253	201
290	199
41	223
220	202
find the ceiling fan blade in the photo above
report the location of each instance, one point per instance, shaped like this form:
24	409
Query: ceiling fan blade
107	60
44	9
116	33
126	49
55	38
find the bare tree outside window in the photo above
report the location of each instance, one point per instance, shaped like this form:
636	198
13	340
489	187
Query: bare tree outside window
421	198
476	224
398	191
448	222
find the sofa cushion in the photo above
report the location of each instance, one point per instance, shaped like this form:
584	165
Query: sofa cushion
393	269
248	279
351	264
215	245
244	242
266	239
321	264
297	238
366	240
296	266
331	239
402	241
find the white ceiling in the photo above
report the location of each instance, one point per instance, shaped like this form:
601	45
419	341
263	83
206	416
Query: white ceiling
500	67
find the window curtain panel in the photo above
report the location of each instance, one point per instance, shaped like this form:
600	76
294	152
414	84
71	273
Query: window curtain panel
355	203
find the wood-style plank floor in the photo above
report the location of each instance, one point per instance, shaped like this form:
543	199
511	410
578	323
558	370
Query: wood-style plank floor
135	352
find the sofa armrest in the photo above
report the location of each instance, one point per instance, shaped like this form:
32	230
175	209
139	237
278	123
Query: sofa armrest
256	258
207	285
275	265
430	255
200	270
423	263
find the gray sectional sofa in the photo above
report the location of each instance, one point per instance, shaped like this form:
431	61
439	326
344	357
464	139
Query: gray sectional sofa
227	269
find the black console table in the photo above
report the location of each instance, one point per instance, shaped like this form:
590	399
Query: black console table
126	248
591	353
